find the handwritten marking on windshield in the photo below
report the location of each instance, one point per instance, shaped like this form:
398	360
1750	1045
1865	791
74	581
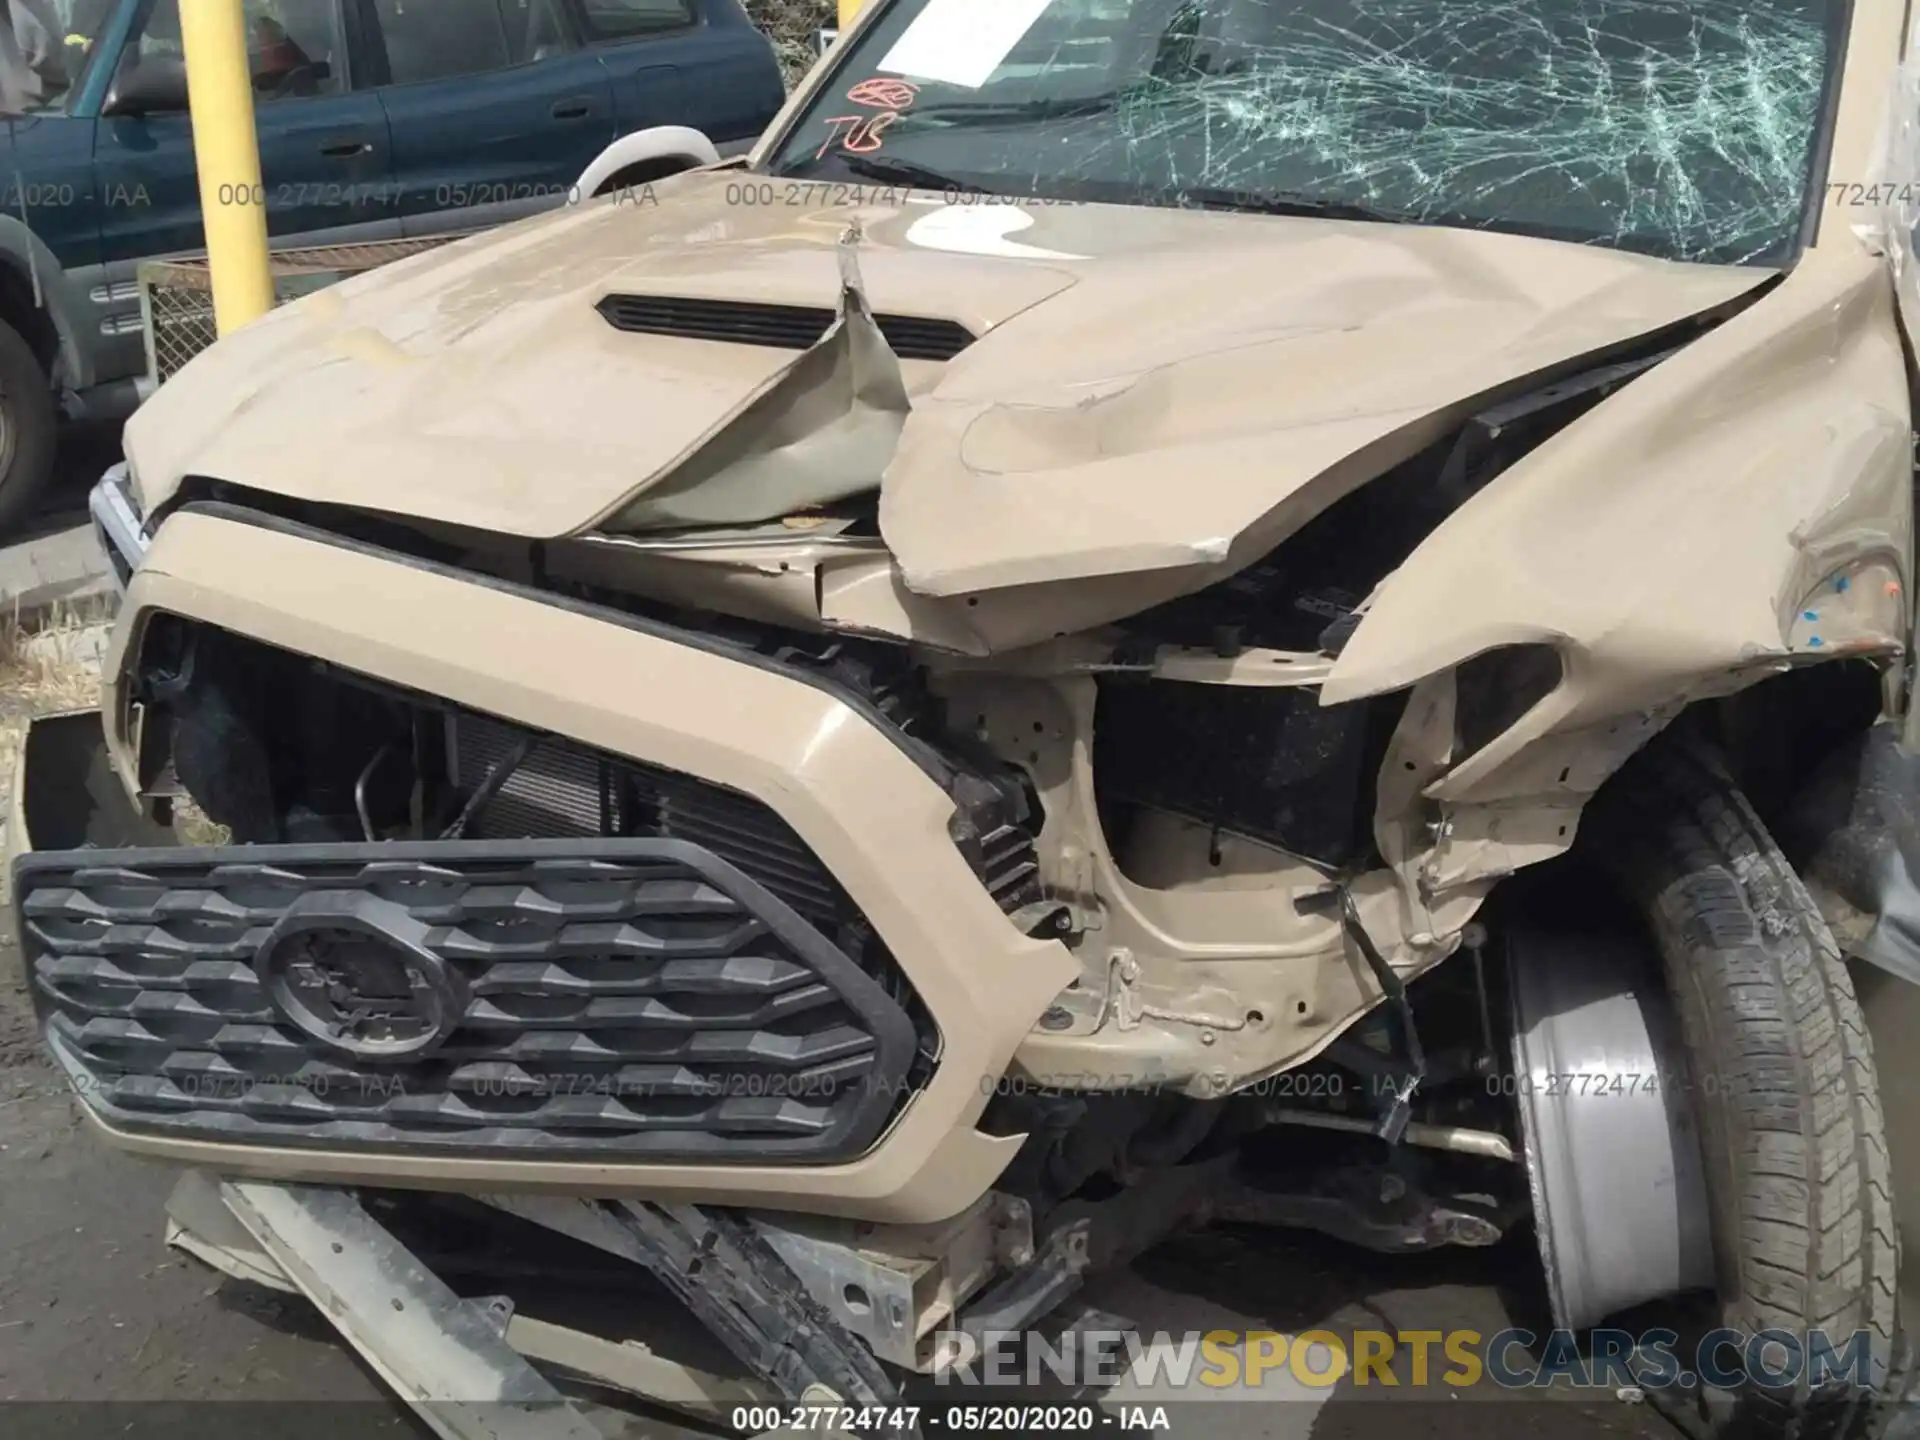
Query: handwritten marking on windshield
861	135
883	92
864	134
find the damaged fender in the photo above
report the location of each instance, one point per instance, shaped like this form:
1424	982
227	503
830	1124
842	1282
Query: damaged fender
1175	453
1663	558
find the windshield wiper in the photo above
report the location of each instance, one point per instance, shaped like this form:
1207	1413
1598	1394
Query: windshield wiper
956	113
890	171
1280	202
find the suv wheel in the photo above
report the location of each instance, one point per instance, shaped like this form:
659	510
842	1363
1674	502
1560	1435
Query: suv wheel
29	429
1782	1082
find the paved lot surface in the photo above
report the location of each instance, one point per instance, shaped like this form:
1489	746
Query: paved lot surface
93	1305
55	558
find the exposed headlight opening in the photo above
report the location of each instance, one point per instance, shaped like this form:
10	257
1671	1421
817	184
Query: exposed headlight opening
1493	690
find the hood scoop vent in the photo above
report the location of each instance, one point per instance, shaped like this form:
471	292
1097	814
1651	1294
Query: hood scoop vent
782	327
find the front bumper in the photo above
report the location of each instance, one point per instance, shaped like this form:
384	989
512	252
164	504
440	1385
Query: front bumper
117	524
862	805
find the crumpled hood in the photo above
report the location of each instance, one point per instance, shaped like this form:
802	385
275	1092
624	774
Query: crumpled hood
1150	389
476	384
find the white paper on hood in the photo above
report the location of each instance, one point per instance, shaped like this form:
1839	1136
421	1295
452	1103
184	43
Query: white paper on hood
961	41
981	230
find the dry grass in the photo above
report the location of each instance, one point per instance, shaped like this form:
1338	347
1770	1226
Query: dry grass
12	733
52	666
49	667
194	828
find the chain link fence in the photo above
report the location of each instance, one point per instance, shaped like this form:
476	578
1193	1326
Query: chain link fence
791	25
176	296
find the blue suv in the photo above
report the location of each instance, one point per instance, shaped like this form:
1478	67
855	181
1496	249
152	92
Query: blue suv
378	120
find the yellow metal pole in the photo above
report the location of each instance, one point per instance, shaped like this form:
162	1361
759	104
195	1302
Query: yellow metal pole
848	9
227	152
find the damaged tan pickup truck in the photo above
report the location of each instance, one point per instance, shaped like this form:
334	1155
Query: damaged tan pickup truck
1268	610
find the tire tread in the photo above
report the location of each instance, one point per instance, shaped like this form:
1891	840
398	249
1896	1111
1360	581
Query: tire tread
1801	1160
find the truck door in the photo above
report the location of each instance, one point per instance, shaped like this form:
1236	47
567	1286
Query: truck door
324	155
493	106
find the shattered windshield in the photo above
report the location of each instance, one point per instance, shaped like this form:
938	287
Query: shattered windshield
1681	128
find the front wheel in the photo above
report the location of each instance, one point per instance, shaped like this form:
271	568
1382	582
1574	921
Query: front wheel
29	428
1783	1086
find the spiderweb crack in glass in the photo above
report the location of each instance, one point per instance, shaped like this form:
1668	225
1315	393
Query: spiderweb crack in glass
1687	125
1683	128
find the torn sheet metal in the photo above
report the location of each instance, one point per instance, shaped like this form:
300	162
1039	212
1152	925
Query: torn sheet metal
200	1224
435	1349
204	1221
480	385
824	430
1178	440
1125	426
632	1367
1665	549
1668	561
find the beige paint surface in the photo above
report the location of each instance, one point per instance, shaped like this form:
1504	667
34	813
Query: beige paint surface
1154	400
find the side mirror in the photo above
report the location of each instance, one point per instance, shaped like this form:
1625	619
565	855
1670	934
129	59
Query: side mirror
154	86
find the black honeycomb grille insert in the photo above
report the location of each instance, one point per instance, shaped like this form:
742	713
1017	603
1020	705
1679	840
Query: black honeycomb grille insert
781	327
627	999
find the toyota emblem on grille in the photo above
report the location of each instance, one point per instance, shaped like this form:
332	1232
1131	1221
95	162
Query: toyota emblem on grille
350	971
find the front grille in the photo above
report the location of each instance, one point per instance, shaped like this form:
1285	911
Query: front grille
782	327
616	999
560	789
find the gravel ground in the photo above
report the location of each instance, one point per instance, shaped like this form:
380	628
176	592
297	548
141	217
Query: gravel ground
92	1304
